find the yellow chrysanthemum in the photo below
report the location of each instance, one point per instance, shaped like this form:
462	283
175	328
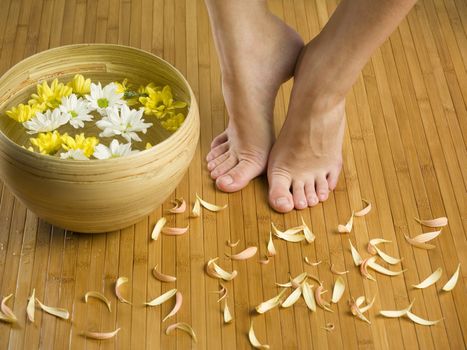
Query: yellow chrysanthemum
130	96
86	144
48	143
49	96
79	85
148	145
173	122
160	102
22	113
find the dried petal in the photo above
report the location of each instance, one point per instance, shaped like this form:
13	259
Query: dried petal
271	248
425	237
62	313
389	259
99	296
420	320
197	208
329	327
120	281
377	267
224	291
175	231
320	301
232	245
365	210
7	312
418	244
371	249
215	271
179	206
364	267
338	290
307	261
264	261
396	313
347	228
227	315
368	306
294	238
308	296
158	228
162	277
244	254
452	281
295	281
185	327
438	222
30	309
101	335
177	306
162	298
309	236
357	259
271	303
432	279
356	312
376	241
254	341
210	206
293	297
290	232
333	270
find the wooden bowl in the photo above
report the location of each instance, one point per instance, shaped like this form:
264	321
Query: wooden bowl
96	195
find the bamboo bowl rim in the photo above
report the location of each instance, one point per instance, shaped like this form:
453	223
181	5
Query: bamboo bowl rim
154	149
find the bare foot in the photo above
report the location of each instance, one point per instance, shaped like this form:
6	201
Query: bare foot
306	159
257	52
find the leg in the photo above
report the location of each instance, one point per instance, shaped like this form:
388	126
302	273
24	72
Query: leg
305	161
257	53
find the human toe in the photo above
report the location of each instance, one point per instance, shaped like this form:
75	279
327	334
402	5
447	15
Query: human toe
310	193
299	198
224	166
238	177
280	197
322	188
217	151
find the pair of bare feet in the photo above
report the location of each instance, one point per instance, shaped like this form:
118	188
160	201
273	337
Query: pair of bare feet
257	55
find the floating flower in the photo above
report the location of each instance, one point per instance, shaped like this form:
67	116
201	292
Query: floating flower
48	143
80	85
130	96
75	154
22	113
79	142
47	121
160	102
102	98
49	96
125	122
115	150
173	122
77	109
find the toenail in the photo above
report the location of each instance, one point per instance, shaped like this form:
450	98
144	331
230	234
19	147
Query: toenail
226	180
210	165
282	201
302	204
209	157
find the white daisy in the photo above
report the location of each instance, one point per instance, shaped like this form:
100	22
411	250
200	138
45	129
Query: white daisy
115	150
78	110
47	121
125	122
102	98
75	154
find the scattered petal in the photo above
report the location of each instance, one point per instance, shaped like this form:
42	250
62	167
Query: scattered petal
377	267
158	228
271	248
334	271
356	312
338	290
364	267
61	313
293	297
101	335
432	279
347	228
309	236
295	281
329	327
120	281
452	281
30	309
179	206
307	261
357	259
320	301
438	222
99	296
162	277
174	231
420	320
197	208
368	306
289	232
308	296
264	261
373	243
177	306
271	303
244	254
210	206
6	311
418	244
185	327
389	259
215	271
294	238
162	298
227	315
232	245
253	340
365	210
425	237
396	313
